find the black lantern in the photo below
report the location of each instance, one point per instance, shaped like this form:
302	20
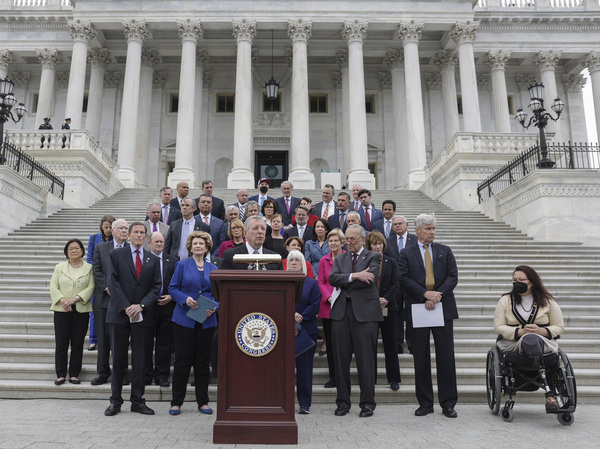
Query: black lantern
8	101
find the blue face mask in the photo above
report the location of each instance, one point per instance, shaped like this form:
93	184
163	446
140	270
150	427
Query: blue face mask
520	287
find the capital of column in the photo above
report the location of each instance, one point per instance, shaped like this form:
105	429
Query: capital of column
573	82
385	80
464	32
150	57
433	81
355	31
337	79
135	30
393	59
63	80
206	78
49	57
112	79
524	80
445	59
483	82
190	30
99	57
496	60
299	30
158	80
409	32
21	79
202	57
6	58
81	30
341	59
547	60
592	61
244	30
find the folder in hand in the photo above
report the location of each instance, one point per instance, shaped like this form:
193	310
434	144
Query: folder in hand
199	314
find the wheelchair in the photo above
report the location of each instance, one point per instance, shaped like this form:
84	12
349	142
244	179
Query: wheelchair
509	372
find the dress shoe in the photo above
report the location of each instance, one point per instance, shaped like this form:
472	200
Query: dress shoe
99	380
163	383
148	382
304	411
394	386
330	383
125	381
449	412
322	353
112	410
423	411
74	381
92	347
400	349
205	411
59	381
142	408
366	412
342	410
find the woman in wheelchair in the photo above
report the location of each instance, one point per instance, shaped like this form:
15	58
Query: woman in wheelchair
528	320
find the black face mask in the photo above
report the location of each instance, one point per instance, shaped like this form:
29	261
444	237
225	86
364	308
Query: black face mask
520	287
263	189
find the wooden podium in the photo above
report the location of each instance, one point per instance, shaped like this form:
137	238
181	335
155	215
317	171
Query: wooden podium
255	399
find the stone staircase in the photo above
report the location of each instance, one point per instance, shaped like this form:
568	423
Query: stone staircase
486	253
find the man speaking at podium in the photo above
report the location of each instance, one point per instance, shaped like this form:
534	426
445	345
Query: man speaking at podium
255	231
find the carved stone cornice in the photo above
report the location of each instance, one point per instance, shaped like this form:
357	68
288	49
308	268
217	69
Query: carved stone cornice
385	80
158	80
547	60
63	80
202	57
21	79
524	80
299	30
445	59
135	30
433	81
244	30
409	32
99	57
497	59
81	30
355	30
464	32
206	79
341	59
190	30
150	57
592	61
49	57
394	59
112	79
337	79
6	58
573	82
483	82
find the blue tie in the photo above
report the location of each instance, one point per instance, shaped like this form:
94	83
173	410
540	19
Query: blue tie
400	243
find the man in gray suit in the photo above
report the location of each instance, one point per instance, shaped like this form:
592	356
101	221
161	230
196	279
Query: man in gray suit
153	223
355	316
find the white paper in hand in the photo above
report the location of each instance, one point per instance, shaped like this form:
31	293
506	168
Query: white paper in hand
422	317
334	295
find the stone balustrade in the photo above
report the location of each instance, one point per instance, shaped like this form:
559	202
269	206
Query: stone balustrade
537	5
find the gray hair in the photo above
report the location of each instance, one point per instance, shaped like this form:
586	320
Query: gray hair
151	202
229	208
166	188
252	203
360	229
253	218
295	254
399	216
355	213
424	219
288	182
116	222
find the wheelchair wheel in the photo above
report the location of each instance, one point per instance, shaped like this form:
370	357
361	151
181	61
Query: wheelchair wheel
507	414
566	419
568	384
494	388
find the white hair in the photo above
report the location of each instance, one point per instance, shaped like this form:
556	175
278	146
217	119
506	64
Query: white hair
295	254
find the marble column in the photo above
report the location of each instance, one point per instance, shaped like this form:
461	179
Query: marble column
410	34
592	62
99	58
546	61
341	58
150	58
49	58
299	31
6	60
200	159
389	155
82	32
355	32
135	33
111	101
463	33
496	61
446	60
189	32
242	174
157	168
394	60
573	84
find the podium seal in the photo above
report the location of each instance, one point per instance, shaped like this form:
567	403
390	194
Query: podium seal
256	334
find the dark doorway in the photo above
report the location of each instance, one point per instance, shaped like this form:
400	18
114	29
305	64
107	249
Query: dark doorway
272	165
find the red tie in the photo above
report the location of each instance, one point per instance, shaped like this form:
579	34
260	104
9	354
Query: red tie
354	259
138	264
206	220
368	218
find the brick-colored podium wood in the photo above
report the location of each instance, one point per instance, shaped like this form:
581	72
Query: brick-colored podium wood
255	399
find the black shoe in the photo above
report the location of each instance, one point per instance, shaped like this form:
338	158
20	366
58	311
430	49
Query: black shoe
148	382
342	410
59	381
400	349
125	381
410	350
164	383
423	411
322	353
112	410
74	381
330	383
99	380
92	347
142	408
394	386
449	412
366	412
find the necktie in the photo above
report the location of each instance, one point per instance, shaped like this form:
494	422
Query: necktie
388	225
356	205
138	264
165	214
429	279
400	243
300	231
185	231
256	252
262	200
206	220
154	229
326	213
343	220
287	205
367	218
354	259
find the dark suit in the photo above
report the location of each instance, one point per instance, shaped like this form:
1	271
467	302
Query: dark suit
412	279
217	232
175	203
354	326
379	225
256	197
101	267
174	214
334	221
228	259
162	329
388	289
282	209
174	236
218	207
126	290
293	232
375	215
318	210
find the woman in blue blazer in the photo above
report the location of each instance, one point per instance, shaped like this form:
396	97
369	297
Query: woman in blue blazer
193	340
306	314
317	247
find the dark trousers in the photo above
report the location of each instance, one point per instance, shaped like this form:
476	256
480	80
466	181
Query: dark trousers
443	338
69	329
400	317
329	340
304	375
192	348
350	335
103	345
158	347
390	348
120	335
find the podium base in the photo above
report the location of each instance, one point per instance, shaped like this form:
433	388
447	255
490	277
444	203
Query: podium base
253	432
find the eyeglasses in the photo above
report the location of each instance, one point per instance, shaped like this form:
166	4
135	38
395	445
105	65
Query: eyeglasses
352	239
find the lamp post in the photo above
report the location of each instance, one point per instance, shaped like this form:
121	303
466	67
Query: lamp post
540	118
8	101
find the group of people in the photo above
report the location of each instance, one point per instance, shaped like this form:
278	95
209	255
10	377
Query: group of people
365	273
